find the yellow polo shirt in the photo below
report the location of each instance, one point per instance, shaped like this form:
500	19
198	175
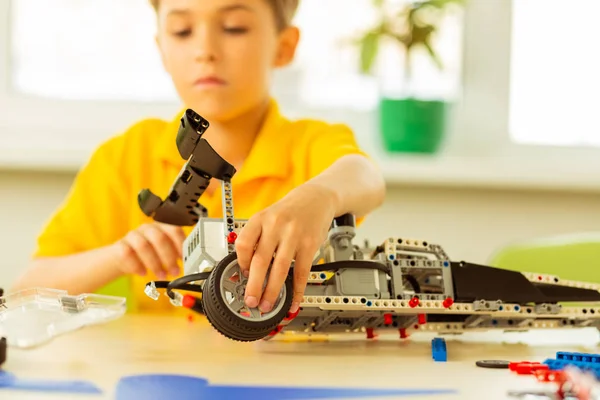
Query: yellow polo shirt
102	207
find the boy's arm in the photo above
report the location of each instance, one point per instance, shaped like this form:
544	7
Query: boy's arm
82	272
89	241
153	247
340	179
355	185
72	251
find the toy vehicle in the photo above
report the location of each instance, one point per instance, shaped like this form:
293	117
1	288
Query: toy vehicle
401	284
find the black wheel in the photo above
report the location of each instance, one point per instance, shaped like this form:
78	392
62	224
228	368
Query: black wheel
223	302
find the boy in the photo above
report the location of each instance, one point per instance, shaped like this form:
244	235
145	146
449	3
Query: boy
293	177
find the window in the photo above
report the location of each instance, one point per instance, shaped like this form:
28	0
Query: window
69	79
555	83
89	50
76	61
82	57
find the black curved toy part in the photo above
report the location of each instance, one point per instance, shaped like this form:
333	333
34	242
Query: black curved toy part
181	206
229	323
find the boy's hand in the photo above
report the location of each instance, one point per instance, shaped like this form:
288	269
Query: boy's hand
155	247
294	229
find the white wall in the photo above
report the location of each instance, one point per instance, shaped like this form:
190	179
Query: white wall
470	224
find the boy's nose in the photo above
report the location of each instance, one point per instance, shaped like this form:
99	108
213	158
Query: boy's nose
206	46
204	56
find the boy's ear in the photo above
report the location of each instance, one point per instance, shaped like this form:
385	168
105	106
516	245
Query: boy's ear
288	42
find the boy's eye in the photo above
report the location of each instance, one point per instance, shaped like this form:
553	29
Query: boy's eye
236	30
182	33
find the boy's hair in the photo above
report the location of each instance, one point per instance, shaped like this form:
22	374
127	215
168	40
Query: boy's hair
284	11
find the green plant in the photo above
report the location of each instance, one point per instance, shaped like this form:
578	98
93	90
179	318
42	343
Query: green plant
412	26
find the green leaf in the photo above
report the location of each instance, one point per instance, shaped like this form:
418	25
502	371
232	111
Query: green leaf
368	51
441	3
433	55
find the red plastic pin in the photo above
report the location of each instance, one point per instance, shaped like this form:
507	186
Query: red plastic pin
387	319
447	303
413	302
231	237
188	301
370	333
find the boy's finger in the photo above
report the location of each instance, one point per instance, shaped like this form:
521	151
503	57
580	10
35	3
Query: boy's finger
302	266
261	260
278	274
145	252
177	236
246	243
165	249
128	255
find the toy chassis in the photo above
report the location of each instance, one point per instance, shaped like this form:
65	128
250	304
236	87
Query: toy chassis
404	284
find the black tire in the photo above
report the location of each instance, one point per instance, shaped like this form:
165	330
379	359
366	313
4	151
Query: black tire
230	324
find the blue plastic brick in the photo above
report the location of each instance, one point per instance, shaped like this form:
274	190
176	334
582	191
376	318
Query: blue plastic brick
585	357
584	361
438	349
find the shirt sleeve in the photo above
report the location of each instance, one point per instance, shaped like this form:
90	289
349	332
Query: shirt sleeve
328	146
93	213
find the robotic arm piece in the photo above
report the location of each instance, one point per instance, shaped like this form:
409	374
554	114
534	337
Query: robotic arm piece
181	206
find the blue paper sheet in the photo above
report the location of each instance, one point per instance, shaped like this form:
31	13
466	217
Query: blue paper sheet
11	382
182	387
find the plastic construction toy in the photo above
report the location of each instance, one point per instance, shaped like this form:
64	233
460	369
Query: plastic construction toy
402	284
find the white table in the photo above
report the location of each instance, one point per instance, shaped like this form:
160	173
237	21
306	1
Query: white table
142	344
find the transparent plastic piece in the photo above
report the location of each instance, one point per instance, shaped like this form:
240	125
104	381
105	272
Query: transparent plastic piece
31	317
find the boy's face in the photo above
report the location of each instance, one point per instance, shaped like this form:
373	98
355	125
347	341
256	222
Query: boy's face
220	53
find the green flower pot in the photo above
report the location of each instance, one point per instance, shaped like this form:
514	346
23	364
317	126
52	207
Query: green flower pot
411	125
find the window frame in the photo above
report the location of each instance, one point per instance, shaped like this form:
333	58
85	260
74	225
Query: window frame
478	139
486	87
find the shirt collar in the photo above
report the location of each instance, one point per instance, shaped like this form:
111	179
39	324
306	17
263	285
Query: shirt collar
269	156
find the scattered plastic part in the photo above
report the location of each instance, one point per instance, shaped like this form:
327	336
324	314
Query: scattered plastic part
549	376
31	317
438	349
180	387
540	395
585	357
497	364
526	367
11	382
584	361
571	382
